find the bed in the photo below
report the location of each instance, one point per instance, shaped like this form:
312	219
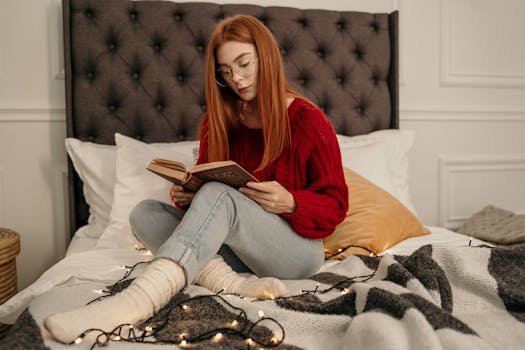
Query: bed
134	91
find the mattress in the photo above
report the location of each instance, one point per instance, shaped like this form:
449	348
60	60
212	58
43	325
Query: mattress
86	265
433	291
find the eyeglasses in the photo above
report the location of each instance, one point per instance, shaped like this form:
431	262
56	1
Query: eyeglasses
244	67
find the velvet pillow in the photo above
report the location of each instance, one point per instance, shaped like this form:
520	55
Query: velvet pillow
375	221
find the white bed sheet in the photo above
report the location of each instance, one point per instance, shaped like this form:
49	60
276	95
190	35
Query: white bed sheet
82	241
437	236
85	263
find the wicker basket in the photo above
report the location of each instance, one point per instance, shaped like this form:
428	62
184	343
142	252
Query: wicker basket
9	249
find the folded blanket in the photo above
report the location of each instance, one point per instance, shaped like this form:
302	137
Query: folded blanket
496	225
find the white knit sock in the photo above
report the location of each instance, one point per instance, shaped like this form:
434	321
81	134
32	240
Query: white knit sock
217	275
149	292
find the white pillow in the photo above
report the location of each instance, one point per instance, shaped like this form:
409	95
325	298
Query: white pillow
381	157
95	165
134	183
370	161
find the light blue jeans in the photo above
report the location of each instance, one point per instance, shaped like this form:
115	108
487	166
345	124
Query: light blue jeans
225	221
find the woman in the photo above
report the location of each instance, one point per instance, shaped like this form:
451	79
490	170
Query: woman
272	228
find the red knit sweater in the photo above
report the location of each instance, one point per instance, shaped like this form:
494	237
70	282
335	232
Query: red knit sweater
311	169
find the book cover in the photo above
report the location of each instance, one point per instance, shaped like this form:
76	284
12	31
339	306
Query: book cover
227	172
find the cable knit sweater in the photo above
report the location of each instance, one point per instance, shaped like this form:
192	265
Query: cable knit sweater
311	169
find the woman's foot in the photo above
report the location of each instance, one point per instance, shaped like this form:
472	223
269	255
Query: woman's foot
149	292
217	275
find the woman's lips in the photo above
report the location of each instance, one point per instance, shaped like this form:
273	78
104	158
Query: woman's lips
244	90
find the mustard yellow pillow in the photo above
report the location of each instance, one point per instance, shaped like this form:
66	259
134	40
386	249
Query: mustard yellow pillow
374	222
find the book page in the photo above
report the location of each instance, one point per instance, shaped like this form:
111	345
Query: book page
172	164
183	178
212	165
173	175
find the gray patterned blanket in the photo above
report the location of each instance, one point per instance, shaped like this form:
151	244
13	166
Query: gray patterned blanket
436	298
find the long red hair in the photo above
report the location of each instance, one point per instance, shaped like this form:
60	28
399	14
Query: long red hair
223	105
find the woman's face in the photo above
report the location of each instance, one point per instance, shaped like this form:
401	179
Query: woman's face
237	67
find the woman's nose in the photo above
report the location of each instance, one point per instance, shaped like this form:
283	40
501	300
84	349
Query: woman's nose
236	76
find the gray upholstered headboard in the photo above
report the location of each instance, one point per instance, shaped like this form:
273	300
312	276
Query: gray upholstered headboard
137	68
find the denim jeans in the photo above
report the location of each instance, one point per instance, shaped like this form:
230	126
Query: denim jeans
222	219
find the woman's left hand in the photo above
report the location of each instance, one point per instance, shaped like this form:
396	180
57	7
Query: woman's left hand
271	195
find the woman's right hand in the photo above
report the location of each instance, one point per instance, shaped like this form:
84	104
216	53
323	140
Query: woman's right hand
180	196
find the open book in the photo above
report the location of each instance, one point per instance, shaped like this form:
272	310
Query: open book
227	172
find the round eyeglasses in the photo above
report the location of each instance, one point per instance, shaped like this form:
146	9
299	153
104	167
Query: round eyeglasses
244	68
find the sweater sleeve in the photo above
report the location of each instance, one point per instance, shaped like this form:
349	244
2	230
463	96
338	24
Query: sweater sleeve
323	202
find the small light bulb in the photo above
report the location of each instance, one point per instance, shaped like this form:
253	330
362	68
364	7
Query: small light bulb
235	323
148	328
185	307
260	313
217	337
78	340
249	341
183	343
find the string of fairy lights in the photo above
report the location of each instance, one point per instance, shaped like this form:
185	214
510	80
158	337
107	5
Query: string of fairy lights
239	325
371	253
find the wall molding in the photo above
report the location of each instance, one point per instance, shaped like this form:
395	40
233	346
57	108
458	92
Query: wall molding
16	114
452	76
408	113
462	113
450	165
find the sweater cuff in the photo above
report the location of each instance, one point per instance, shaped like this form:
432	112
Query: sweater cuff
300	212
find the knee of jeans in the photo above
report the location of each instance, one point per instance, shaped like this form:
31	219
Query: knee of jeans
315	262
212	188
142	210
317	265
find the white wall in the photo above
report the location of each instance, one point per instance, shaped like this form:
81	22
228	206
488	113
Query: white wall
462	74
462	90
32	131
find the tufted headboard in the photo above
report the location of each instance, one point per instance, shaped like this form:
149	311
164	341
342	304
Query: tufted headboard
137	68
